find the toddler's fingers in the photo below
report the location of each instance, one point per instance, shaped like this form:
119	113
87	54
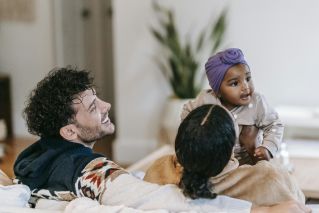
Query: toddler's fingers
257	152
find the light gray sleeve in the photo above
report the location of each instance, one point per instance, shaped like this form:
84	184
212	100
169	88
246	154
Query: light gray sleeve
268	120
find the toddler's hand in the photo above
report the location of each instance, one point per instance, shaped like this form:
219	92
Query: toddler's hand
247	138
262	153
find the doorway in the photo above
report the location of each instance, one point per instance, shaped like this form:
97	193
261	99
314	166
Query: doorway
83	38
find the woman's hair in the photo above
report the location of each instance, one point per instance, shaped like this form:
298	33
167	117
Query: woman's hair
203	146
49	106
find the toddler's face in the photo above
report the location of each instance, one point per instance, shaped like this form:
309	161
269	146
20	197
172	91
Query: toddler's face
237	87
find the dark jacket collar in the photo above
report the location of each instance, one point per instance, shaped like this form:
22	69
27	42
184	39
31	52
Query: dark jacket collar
43	159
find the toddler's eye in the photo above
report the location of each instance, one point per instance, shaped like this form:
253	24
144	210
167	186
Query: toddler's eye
234	84
248	78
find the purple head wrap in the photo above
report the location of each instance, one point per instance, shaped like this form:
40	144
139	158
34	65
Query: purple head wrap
217	66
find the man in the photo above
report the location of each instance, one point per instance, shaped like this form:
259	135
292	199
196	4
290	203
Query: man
66	113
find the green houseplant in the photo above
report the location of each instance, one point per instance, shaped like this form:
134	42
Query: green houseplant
181	64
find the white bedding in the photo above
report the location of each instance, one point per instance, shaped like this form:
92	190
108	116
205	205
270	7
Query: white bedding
140	198
14	195
89	206
25	210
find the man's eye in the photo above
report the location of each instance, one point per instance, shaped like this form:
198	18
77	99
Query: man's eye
93	108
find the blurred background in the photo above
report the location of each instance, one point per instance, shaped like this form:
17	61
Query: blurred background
113	39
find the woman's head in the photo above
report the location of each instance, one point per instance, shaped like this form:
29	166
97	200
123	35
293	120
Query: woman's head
229	76
203	146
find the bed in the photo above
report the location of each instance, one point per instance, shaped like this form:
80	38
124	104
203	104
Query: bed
15	200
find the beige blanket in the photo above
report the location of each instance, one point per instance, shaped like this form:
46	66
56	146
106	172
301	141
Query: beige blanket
262	184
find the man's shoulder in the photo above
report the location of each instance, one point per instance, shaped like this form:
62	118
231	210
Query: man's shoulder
98	163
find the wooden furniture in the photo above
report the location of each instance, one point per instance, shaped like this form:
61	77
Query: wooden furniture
5	103
13	148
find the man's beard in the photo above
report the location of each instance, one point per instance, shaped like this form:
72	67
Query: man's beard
89	135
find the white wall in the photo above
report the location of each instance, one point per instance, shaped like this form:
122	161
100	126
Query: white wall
280	41
281	44
141	90
26	54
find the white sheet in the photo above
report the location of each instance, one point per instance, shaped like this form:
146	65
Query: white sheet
89	206
220	204
26	210
201	205
14	196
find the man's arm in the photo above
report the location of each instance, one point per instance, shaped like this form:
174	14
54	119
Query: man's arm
108	183
104	181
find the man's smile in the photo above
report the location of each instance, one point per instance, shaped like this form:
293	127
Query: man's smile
105	119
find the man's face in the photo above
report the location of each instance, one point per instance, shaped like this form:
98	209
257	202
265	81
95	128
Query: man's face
92	118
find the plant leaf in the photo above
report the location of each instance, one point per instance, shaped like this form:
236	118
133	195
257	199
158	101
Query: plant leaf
200	40
159	37
181	67
218	31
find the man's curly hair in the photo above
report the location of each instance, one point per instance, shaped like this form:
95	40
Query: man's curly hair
49	106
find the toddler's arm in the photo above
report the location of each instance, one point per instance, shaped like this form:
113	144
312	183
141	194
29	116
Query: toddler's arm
262	153
268	120
247	138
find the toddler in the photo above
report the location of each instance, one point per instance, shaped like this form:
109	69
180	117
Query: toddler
231	84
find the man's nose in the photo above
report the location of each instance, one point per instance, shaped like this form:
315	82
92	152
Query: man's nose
105	106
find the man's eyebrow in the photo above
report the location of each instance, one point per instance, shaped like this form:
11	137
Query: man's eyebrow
78	99
93	102
93	91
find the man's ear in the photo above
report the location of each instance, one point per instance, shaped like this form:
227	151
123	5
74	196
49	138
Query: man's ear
68	132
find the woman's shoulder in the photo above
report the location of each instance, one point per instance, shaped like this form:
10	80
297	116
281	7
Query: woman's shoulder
264	168
265	165
270	170
261	175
